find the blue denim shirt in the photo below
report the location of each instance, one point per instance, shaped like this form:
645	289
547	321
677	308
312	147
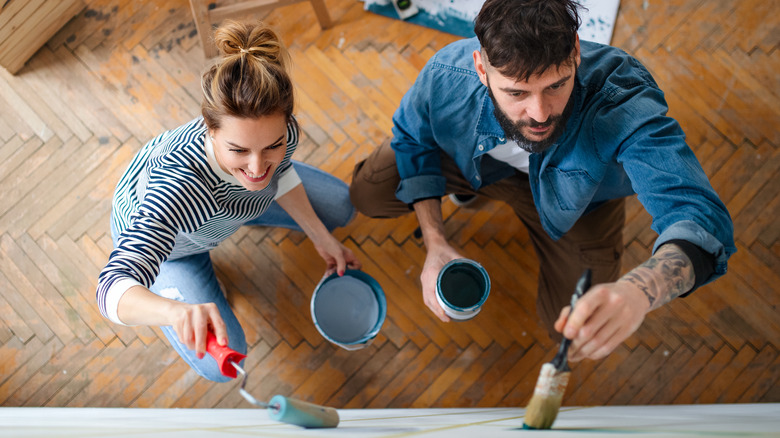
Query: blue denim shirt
617	142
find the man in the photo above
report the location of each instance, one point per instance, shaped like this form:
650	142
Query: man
561	130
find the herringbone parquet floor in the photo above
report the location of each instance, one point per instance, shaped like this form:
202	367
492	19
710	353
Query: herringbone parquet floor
123	71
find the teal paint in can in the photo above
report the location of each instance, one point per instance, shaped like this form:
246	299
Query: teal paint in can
349	310
462	288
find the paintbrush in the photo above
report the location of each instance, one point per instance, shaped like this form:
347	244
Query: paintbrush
554	376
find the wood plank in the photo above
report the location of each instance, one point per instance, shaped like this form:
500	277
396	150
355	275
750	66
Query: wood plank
21	307
26	278
448	377
726	377
59	370
86	310
147	372
105	357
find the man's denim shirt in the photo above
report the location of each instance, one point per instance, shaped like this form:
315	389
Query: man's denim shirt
618	141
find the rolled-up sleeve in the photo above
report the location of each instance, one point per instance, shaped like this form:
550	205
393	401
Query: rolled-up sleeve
416	152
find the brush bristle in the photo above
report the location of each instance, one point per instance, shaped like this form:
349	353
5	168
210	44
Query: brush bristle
546	401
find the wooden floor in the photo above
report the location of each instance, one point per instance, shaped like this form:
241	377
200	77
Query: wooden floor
123	71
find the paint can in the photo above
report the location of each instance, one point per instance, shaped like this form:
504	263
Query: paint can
462	287
349	310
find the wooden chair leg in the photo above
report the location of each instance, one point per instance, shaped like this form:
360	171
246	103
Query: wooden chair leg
322	13
203	17
200	14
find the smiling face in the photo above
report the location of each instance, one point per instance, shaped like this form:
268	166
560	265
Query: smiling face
250	149
532	112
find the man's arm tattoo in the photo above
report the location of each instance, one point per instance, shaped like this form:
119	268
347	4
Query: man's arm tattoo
664	277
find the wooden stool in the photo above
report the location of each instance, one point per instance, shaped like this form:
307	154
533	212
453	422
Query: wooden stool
206	15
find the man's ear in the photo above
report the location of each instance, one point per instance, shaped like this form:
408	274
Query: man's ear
479	66
577	50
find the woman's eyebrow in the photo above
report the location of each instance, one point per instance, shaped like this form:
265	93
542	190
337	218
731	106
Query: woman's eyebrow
278	140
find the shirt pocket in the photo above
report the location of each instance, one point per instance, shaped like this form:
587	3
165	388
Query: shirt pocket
572	190
600	254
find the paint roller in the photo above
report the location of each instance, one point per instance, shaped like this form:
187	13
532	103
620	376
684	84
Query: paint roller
280	408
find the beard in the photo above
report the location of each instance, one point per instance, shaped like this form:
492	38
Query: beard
513	130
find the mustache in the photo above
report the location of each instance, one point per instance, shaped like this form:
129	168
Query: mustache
531	123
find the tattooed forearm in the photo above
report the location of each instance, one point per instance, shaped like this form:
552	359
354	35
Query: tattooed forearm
664	277
639	282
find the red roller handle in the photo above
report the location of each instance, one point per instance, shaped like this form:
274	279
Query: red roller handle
223	355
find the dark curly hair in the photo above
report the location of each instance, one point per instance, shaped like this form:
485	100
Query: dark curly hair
522	38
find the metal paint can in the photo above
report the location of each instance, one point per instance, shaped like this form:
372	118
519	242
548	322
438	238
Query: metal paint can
349	310
462	287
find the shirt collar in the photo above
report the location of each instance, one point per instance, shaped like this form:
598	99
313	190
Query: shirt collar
487	123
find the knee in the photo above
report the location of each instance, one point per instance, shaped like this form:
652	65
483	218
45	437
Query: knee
358	193
369	200
340	213
214	376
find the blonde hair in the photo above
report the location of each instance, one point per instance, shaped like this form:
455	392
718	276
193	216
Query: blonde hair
250	79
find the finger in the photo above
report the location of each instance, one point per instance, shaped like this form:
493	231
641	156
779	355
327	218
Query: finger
200	332
560	323
341	264
592	342
607	348
185	334
433	305
219	328
200	328
353	263
586	306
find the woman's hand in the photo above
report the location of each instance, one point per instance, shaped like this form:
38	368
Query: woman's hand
192	322
337	256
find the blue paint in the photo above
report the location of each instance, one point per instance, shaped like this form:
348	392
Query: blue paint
444	23
349	311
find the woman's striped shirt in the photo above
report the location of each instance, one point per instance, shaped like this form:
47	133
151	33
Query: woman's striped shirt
173	201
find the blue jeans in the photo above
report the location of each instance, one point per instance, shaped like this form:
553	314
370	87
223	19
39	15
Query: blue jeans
191	279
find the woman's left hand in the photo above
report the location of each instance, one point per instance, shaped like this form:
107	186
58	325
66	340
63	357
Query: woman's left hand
337	256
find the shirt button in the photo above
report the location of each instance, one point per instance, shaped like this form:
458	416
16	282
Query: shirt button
478	178
480	147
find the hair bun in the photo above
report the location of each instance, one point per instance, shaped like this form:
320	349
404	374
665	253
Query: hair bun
251	39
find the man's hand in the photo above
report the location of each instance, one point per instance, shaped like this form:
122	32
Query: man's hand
434	261
603	318
439	252
609	313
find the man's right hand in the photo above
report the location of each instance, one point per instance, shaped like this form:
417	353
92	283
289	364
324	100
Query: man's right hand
434	261
439	252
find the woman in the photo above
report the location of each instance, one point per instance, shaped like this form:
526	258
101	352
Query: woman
192	187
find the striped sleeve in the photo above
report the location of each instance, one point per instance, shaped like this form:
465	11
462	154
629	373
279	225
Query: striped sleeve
176	199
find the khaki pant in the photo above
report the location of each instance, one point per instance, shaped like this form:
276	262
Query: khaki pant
595	241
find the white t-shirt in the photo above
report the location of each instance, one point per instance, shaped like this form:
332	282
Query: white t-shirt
511	154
